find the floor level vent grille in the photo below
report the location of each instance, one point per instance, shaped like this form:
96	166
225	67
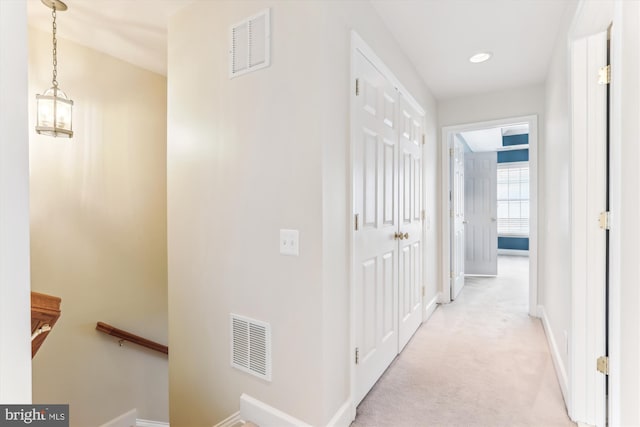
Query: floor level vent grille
251	346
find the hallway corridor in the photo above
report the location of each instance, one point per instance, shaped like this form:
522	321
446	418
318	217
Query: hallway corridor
479	361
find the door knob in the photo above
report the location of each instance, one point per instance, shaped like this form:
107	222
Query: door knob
398	236
406	235
493	220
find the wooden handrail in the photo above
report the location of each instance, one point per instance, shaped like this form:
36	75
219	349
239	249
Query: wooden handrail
45	311
127	336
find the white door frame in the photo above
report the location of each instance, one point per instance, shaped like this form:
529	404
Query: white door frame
447	137
358	45
588	255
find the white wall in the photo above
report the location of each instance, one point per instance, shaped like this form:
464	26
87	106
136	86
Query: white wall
554	283
98	234
515	102
247	157
15	345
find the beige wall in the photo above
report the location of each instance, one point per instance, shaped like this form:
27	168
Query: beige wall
244	160
247	157
98	224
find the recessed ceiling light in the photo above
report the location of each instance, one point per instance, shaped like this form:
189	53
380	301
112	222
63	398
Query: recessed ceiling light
480	57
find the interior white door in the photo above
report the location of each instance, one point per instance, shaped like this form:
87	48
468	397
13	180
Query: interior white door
375	244
481	255
410	232
457	217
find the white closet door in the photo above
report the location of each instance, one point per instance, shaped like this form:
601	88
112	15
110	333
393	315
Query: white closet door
376	207
410	203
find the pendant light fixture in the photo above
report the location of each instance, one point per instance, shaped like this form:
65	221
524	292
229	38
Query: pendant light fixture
54	107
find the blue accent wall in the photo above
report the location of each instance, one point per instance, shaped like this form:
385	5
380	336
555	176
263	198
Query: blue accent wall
518	243
513	156
515	140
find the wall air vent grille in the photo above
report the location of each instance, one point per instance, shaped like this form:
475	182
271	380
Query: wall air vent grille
250	44
251	346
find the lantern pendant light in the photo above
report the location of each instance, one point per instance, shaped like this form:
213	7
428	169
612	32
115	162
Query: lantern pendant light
54	107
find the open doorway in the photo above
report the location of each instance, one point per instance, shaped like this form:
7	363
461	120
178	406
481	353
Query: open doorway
490	204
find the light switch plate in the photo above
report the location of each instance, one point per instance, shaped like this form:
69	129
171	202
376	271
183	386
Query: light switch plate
289	242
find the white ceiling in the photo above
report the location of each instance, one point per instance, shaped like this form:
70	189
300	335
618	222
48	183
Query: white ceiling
132	30
438	36
491	139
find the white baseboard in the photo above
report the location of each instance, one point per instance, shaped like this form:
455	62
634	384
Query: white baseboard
513	252
128	419
149	423
561	373
233	420
440	299
263	415
266	416
431	307
344	416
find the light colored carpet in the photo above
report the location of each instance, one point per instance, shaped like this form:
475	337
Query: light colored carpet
479	361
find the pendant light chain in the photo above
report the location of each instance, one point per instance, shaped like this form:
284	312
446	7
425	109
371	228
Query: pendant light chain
55	48
54	108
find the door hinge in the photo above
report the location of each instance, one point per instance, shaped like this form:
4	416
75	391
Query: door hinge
424	214
424	139
357	87
604	75
451	275
357	355
423	291
603	365
605	220
357	221
451	152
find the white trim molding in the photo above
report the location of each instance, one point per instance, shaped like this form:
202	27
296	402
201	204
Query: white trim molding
263	415
513	252
127	419
430	308
561	372
343	417
130	419
149	423
232	420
